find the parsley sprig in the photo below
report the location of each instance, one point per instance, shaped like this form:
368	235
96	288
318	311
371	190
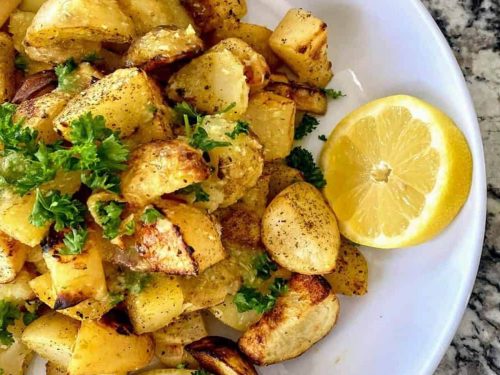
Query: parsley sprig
108	215
333	94
65	75
151	215
241	127
9	312
130	282
264	266
13	134
306	126
248	298
74	241
303	160
196	189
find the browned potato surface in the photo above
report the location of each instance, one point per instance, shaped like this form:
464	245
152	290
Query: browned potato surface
12	256
18	290
300	318
7	79
281	176
210	14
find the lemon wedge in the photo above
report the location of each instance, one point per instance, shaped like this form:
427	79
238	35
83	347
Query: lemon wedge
398	170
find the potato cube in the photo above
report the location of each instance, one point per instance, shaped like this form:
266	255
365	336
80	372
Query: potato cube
12	256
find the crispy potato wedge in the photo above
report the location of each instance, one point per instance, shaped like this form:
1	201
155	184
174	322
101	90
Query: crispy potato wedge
124	88
18	290
7	69
306	98
8	6
220	356
148	14
300	318
240	225
74	20
162	46
39	114
236	167
159	168
107	346
272	119
174	355
199	231
203	83
228	313
350	276
300	40
210	14
90	309
257	71
157	305
281	176
53	337
75	278
300	230
256	36
12	256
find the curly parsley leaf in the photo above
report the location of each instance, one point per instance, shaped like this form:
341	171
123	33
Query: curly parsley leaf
199	139
333	94
264	266
13	134
102	180
200	194
303	160
74	241
185	109
88	128
108	214
92	57
135	282
9	312
241	127
65	77
306	126
322	137
248	298
21	62
129	228
31	313
52	206
151	215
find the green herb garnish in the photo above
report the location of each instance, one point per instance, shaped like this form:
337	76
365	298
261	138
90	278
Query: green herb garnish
333	94
9	312
200	139
92	57
13	135
21	62
151	215
74	241
135	282
322	137
200	194
241	127
264	266
303	160
108	214
248	298
306	126
65	77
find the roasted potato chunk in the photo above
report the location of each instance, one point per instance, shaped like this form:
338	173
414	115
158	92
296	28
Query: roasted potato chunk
272	119
300	230
228	313
236	167
148	14
31	5
256	69
8	6
220	356
7	69
12	256
162	46
90	309
39	114
86	20
256	36
203	83
306	98
350	276
53	337
240	225
300	40
61	52
75	278
18	290
124	88
15	359
300	318
255	199
158	304
107	347
210	14
159	168
18	25
281	176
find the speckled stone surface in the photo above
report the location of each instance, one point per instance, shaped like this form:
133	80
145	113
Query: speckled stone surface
472	28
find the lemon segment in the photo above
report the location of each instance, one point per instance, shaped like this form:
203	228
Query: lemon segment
398	170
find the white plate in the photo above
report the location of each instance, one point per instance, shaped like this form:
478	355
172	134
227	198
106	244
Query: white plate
417	296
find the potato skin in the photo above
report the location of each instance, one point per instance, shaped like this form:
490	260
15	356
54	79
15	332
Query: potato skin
210	14
7	70
220	356
300	318
300	230
12	256
161	167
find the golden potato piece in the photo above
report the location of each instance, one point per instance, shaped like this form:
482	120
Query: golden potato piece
350	276
203	83
220	356
18	290
158	304
7	70
255	199
148	14
8	6
272	119
240	225
300	230
228	313
53	337
210	14
159	168
15	359
300	318
12	256
300	40
31	5
256	69
162	46
281	176
107	347
125	88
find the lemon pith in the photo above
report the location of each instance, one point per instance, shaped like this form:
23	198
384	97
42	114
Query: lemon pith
398	170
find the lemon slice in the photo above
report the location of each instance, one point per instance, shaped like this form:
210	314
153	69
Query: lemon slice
398	170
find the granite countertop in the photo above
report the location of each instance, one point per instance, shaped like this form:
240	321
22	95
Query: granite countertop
472	28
